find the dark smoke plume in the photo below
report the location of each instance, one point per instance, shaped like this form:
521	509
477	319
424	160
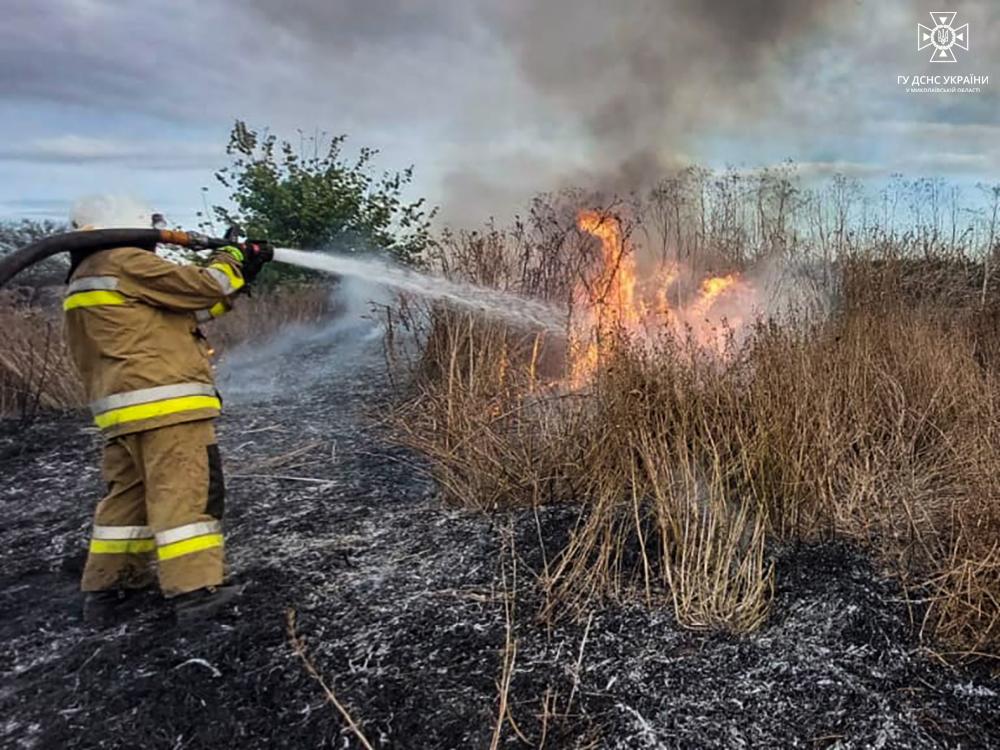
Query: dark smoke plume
643	75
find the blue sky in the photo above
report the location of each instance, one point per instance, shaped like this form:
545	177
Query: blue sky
491	100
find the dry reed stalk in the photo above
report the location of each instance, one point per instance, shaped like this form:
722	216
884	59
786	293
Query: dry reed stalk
510	646
298	644
285	459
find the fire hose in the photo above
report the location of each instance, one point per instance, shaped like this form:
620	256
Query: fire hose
84	242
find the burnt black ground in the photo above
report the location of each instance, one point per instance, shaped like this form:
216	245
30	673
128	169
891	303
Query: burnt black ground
401	601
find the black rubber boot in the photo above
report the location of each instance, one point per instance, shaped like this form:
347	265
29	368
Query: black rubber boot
204	604
104	609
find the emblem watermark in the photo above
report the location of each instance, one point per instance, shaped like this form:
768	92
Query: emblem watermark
943	37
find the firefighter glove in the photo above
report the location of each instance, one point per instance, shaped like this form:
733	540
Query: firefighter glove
254	255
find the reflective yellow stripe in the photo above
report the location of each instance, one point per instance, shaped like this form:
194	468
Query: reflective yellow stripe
92	299
122	546
188	531
216	311
156	409
118	533
91	284
170	551
155	394
235	282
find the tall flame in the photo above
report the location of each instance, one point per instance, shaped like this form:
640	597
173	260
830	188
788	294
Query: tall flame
613	291
610	297
613	298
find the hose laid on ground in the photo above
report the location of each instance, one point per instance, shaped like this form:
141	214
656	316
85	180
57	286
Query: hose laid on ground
91	241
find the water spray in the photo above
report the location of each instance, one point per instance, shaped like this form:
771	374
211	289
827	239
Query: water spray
510	307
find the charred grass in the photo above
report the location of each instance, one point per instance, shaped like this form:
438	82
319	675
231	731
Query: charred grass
877	424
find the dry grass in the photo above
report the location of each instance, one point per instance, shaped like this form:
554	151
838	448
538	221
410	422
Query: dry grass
35	374
878	425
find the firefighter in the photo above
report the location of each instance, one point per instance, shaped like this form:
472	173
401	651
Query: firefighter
132	328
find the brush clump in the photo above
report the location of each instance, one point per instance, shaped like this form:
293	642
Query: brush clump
862	407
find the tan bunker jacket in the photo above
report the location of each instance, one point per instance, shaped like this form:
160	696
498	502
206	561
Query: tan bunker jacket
132	328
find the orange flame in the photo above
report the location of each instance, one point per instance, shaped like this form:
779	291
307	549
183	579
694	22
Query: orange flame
710	291
613	298
613	291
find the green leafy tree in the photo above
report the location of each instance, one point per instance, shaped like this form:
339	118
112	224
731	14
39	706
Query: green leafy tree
320	200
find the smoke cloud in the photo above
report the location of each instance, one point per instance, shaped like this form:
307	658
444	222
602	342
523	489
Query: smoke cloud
655	85
642	76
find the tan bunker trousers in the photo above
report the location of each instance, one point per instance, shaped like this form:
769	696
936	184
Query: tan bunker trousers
165	500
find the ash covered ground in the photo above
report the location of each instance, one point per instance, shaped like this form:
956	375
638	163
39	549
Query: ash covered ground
402	604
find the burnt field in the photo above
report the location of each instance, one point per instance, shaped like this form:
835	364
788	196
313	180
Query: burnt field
420	618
